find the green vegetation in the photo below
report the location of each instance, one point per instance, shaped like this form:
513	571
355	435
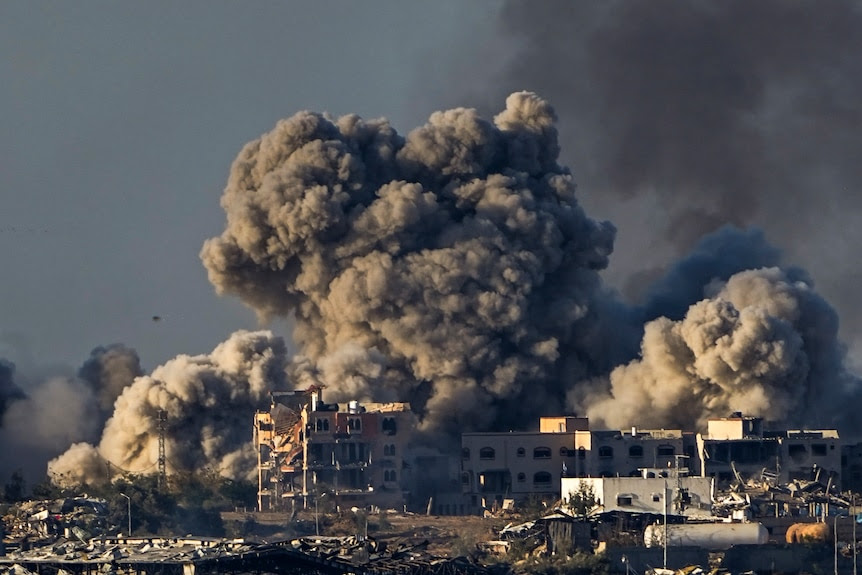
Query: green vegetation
582	500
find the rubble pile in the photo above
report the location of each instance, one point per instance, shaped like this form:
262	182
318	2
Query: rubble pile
798	498
37	523
117	550
378	557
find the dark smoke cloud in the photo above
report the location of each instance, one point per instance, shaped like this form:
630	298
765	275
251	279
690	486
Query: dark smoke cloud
108	371
452	268
705	113
715	258
208	403
9	392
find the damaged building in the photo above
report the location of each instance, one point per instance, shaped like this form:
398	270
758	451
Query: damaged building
738	448
735	449
355	451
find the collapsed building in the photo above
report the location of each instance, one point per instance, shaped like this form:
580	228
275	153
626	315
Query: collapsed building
309	448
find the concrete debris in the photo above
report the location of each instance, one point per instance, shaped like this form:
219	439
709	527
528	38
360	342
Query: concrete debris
378	557
35	523
798	498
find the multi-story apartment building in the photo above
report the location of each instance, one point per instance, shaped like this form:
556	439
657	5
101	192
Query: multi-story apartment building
497	466
611	453
354	451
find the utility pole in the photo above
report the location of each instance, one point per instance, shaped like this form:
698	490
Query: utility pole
162	480
664	546
129	501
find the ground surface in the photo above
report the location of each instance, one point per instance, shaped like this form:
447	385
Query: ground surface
446	535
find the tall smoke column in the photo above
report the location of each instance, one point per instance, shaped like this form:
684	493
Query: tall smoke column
452	268
763	343
209	401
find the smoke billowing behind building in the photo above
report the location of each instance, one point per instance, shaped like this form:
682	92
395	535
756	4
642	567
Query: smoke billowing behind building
681	117
452	268
208	402
455	269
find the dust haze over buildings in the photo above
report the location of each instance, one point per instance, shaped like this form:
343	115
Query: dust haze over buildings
681	117
455	267
41	416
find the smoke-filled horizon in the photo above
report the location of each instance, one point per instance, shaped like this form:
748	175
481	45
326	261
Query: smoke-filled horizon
682	117
453	268
41	415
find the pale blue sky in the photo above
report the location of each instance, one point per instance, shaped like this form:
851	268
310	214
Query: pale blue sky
118	123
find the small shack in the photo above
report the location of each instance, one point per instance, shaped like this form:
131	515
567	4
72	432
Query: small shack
565	533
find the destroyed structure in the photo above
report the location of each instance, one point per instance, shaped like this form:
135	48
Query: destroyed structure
735	449
354	451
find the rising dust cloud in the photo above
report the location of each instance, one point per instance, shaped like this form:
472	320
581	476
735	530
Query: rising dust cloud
453	268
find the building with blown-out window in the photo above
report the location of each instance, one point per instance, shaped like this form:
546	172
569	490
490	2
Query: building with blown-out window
353	452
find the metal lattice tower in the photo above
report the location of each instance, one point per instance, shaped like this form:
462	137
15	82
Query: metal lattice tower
162	481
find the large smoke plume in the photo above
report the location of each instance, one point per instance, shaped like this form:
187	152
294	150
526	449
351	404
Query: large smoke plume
41	416
452	268
207	403
685	116
762	343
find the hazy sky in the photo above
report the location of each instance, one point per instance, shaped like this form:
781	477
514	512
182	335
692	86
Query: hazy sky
118	124
119	121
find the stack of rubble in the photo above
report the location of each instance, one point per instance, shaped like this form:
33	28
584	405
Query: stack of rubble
38	523
375	556
798	499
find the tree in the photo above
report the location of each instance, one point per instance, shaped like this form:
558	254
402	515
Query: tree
15	489
582	500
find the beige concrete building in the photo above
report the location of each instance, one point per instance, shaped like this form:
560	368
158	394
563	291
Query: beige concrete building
354	452
610	453
515	465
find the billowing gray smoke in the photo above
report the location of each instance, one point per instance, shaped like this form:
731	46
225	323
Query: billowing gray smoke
9	392
44	415
208	403
684	116
452	268
762	343
109	371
